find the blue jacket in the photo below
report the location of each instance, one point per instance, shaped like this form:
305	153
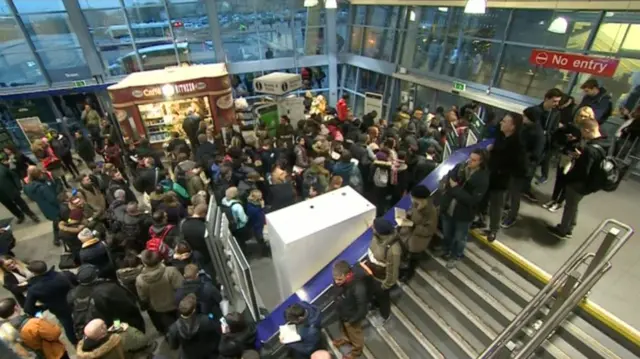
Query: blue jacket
343	170
309	331
255	213
50	289
44	193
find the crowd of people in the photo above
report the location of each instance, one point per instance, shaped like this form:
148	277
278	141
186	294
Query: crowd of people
127	254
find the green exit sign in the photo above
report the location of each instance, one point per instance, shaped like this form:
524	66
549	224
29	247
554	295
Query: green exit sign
459	86
80	83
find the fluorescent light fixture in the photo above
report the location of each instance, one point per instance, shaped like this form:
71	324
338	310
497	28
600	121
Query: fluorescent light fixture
310	3
330	4
412	16
559	25
443	9
475	7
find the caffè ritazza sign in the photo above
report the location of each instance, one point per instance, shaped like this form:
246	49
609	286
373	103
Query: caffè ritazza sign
169	90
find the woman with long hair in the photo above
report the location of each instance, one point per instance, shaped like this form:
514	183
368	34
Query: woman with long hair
50	162
14	276
567	138
18	161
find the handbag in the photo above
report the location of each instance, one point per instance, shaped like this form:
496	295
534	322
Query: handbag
67	259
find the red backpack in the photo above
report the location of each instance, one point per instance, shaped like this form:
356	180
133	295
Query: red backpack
156	241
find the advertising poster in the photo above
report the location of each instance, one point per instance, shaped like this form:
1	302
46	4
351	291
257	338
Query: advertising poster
31	127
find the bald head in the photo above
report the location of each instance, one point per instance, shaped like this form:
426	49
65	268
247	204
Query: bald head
95	329
321	354
120	194
34	172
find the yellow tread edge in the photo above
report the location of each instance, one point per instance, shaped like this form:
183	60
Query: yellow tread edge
594	310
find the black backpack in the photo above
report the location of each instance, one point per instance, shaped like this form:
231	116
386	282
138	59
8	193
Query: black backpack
227	210
84	311
607	174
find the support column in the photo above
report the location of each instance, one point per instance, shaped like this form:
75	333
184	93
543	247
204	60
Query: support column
214	27
80	27
313	28
411	38
332	53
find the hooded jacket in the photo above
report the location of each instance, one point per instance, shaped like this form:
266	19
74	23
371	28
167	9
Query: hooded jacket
157	286
425	225
50	289
44	193
461	202
127	278
208	296
135	231
97	253
197	336
352	300
114	346
385	255
116	185
309	331
233	344
581	174
39	335
115	215
600	104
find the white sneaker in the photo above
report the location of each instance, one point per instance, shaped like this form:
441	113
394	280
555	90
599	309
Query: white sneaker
548	204
554	207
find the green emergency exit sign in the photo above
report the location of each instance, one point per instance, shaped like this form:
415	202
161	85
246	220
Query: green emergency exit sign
80	83
459	86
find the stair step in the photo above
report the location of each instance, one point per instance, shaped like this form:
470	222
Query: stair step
390	341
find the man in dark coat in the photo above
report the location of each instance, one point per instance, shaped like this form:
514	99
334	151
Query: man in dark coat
198	283
111	301
97	253
148	177
190	126
42	190
596	97
352	305
547	115
206	153
50	288
118	182
193	230
10	192
196	334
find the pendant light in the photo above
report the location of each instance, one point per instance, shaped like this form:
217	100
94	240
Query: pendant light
330	4
475	7
412	15
310	3
559	25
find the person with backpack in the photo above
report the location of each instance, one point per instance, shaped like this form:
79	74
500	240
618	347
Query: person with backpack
200	284
116	182
156	286
104	299
162	235
184	170
315	175
352	305
183	255
237	217
308	321
48	289
381	170
420	228
592	171
38	336
135	228
349	171
116	211
196	334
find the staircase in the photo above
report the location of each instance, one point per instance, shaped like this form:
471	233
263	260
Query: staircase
456	313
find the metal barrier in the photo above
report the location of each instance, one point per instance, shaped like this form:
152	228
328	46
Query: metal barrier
231	265
569	287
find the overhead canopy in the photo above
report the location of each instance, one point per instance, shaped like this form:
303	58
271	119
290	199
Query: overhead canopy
170	75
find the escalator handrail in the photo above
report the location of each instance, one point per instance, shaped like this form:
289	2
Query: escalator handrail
319	284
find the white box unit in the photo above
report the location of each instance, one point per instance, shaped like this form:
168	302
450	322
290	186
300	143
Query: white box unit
305	237
277	83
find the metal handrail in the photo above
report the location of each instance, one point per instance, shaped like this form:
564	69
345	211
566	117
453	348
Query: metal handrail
598	267
542	297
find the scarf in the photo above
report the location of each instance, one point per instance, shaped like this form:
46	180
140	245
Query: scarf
396	165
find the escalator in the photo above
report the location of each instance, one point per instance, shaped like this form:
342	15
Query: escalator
456	313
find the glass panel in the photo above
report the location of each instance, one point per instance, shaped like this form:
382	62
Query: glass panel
358	109
359	18
624	81
241	47
342	26
531	26
383	16
38	6
518	75
19	69
469	59
107	26
99	4
119	59
429	40
378	43
490	25
195	29
315	77
10	34
235	15
371	81
356	39
311	42
67	65
425	97
618	28
350	81
50	31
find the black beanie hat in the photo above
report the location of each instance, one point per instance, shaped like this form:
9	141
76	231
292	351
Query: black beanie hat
420	191
382	226
87	273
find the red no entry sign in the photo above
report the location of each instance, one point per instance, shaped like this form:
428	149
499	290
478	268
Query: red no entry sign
573	62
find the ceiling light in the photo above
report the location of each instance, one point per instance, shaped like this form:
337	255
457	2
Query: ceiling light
310	3
330	4
559	25
443	9
475	7
412	16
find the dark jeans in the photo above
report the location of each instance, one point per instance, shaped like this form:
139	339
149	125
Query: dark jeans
570	212
496	206
56	231
559	186
380	199
67	324
545	163
517	186
17	206
162	320
381	299
455	234
71	167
